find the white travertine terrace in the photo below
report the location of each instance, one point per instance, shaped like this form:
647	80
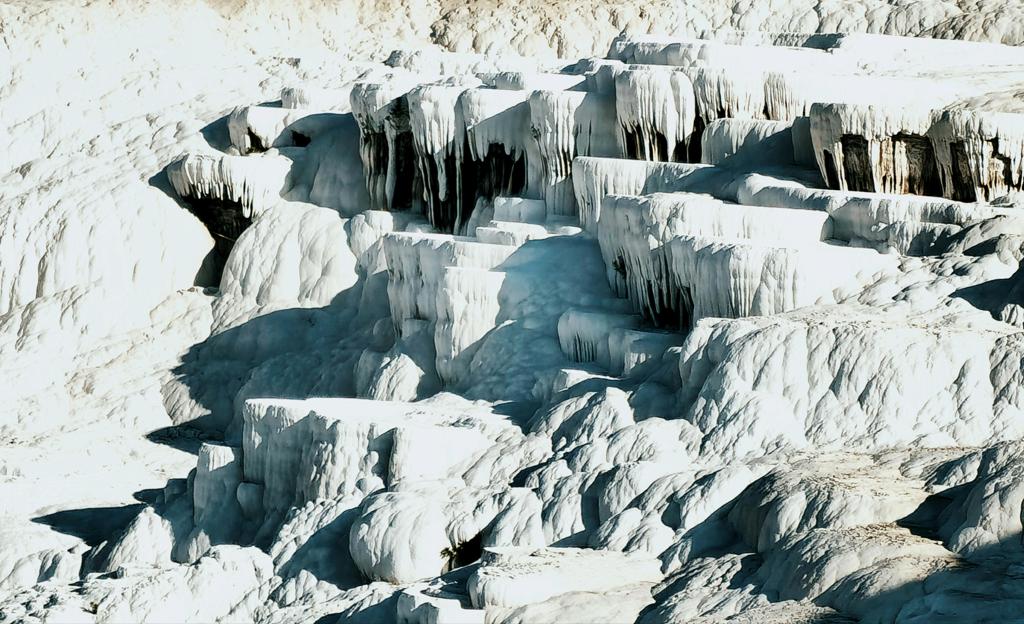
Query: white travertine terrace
534	81
754	141
315	97
417	263
585	334
467	308
496	127
906	223
514	577
958	359
980	149
595	178
431	61
631	348
569	124
520	210
433	120
765	277
634	233
721	93
381	110
259	128
655	112
727	326
250	183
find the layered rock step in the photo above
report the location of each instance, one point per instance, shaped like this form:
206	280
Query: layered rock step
728	257
634	233
443	294
345	447
513	577
449	144
963	402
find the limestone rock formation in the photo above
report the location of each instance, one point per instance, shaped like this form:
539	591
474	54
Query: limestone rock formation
445	312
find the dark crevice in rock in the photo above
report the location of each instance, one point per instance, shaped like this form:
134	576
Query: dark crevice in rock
665	308
857	163
225	221
463	554
498	174
256	143
831	171
633	142
408	184
638	147
441	210
962	183
374	151
922	173
1000	174
693	146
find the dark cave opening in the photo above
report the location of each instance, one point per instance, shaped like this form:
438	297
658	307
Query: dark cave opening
256	143
857	164
408	184
498	174
693	146
463	554
225	221
922	176
831	171
962	181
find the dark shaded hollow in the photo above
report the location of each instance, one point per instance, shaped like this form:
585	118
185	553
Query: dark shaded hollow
463	554
667	309
498	174
1000	174
373	148
962	183
680	153
633	143
857	163
966	189
441	212
225	222
639	147
255	143
299	139
923	172
584	350
619	266
831	171
693	145
924	520
455	208
407	180
906	165
93	525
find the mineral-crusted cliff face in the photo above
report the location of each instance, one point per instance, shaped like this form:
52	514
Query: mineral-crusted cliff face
722	324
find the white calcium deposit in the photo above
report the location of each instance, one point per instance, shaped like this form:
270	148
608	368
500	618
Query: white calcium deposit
439	312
